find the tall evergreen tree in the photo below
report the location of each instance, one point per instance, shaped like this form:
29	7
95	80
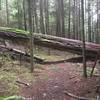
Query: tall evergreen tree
69	18
46	16
60	25
31	36
7	12
0	4
83	39
42	27
36	16
89	21
98	22
24	14
20	25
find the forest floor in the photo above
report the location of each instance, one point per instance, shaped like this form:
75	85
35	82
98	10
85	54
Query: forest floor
49	81
53	80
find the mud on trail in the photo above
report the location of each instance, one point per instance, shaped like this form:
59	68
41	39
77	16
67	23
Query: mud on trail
54	79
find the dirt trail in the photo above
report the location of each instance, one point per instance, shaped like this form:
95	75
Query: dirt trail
55	79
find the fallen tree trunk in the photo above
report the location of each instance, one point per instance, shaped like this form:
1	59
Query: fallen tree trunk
63	44
18	54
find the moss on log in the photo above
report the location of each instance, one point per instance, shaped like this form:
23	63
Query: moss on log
64	44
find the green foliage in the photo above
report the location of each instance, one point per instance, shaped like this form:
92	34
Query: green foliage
11	98
54	68
9	74
89	69
15	30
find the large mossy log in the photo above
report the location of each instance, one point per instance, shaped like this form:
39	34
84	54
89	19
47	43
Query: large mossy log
64	44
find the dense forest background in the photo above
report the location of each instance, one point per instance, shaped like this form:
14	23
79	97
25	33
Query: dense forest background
46	66
55	17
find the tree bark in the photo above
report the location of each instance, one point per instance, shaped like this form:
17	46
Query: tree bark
0	5
89	22
63	44
83	39
7	12
15	53
60	25
69	19
47	16
24	13
31	37
20	26
36	17
42	27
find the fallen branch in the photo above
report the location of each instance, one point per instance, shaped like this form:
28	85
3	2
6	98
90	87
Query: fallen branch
23	83
96	59
75	97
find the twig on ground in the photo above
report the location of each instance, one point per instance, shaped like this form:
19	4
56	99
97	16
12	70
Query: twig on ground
23	83
76	97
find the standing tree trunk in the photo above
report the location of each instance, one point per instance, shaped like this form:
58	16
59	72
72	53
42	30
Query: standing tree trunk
74	19
89	21
98	22
0	5
60	25
36	17
69	19
20	26
42	28
47	16
83	39
31	31
62	18
92	27
33	17
58	28
7	12
79	22
24	13
77	19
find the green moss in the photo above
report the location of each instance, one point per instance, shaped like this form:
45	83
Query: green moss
17	31
10	74
89	69
9	79
11	98
54	68
45	78
42	54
